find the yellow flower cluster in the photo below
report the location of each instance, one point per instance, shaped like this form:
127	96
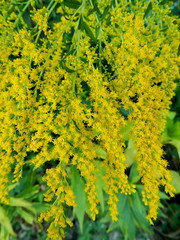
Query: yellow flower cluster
146	63
61	99
57	181
40	17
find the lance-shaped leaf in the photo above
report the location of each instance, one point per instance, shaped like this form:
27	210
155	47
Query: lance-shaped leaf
78	188
5	222
149	8
85	27
72	4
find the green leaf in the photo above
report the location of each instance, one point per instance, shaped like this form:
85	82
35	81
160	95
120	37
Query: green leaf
171	115
5	222
97	29
130	231
29	218
179	44
101	152
78	187
172	130
139	212
19	202
122	202
107	218
161	214
140	188
126	131
162	195
4	234
126	217
134	175
38	4
84	26
175	180
72	4
12	186
163	2
29	192
105	13
135	199
123	111
100	185
149	8
88	31
130	153
95	8
100	194
175	143
171	134
160	205
175	131
41	207
113	226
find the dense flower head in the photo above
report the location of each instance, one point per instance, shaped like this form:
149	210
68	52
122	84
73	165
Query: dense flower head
62	89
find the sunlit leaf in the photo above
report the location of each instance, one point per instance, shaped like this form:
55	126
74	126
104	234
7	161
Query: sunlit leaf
130	153
175	180
5	222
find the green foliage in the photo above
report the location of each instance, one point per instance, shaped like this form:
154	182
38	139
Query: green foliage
101	186
171	133
6	228
26	203
78	187
130	153
176	181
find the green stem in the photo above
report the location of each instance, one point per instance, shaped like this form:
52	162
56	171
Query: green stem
83	6
48	7
38	35
78	42
91	3
50	11
100	42
24	9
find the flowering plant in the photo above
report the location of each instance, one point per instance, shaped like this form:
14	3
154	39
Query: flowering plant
76	89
